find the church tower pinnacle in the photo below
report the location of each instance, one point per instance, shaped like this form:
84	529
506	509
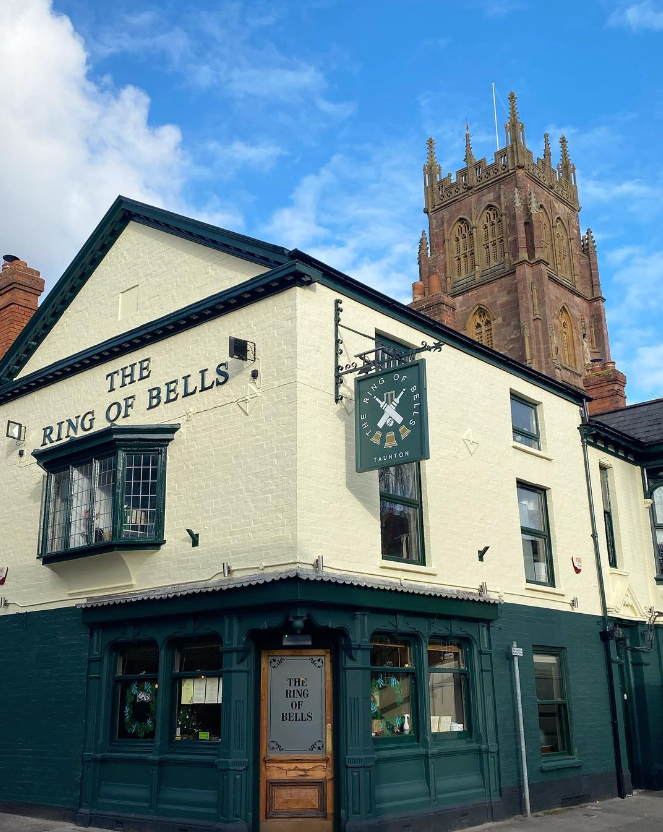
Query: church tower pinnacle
505	263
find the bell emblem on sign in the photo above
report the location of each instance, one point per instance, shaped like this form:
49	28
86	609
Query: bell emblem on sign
377	436
390	441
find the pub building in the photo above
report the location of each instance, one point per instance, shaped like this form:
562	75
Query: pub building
273	543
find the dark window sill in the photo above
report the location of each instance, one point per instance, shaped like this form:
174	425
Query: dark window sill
98	548
560	762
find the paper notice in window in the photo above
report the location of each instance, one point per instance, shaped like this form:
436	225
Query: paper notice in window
445	724
220	696
187	691
435	724
199	691
211	691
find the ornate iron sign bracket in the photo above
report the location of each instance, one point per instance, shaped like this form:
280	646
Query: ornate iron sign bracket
368	359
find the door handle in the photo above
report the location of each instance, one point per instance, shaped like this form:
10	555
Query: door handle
329	737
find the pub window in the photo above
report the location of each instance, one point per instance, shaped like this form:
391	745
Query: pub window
533	510
401	529
607	516
552	702
105	490
198	689
657	509
525	422
136	689
392	687
448	689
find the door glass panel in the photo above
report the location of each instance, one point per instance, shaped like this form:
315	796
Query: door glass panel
296	716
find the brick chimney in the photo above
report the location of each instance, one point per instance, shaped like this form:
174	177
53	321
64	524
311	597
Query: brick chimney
606	385
20	288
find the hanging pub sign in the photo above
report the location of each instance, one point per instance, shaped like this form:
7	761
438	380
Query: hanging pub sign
391	417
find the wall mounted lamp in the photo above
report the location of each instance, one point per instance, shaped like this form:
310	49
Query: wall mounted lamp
241	349
195	537
482	553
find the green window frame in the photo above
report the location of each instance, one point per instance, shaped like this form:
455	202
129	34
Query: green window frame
607	516
104	491
197	690
551	686
525	422
657	524
393	689
401	515
135	691
448	690
535	534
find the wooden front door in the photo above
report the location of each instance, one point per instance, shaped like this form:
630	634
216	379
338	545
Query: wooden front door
297	771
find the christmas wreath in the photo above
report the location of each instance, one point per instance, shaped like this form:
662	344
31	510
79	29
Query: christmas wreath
393	725
141	694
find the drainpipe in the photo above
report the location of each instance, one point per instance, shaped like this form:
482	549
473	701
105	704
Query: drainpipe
607	634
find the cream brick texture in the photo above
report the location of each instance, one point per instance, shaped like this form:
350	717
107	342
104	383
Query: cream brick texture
169	273
469	499
278	486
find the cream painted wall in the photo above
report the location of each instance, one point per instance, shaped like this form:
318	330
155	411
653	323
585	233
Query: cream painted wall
230	476
266	472
631	588
146	274
469	498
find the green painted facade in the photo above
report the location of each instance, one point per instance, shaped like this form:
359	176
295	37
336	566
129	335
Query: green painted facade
61	753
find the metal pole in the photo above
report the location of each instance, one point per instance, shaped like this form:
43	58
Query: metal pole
516	652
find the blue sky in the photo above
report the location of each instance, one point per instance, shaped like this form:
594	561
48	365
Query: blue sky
305	123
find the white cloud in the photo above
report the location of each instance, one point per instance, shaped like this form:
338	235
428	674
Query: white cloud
69	145
230	158
639	17
361	214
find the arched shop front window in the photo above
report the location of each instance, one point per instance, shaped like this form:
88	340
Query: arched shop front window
392	687
198	689
448	689
136	689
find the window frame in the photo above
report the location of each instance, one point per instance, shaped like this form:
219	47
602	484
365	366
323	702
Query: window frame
383	342
190	744
464	672
534	437
560	653
657	526
609	528
538	533
118	678
116	442
412	671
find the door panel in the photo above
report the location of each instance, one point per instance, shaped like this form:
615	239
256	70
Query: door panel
296	779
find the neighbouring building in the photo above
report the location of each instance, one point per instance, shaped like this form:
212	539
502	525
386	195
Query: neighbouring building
233	598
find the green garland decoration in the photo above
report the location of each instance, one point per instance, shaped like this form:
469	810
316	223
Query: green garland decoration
393	725
141	692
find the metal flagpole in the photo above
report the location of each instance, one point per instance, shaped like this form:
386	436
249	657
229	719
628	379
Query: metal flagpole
516	652
497	140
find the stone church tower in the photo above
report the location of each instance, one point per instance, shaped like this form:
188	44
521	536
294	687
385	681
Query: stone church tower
508	266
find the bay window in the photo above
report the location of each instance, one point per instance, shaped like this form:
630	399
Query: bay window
105	490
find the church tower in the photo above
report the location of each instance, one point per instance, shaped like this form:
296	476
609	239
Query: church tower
505	263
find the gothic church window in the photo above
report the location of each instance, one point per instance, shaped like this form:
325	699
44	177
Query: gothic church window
463	248
562	251
568	347
480	326
492	238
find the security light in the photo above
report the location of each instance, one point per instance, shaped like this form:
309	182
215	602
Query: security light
241	349
15	430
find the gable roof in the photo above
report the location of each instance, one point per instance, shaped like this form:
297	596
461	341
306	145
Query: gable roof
283	268
119	215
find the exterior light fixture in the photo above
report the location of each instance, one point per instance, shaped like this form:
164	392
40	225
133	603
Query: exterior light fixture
195	537
482	552
15	430
241	350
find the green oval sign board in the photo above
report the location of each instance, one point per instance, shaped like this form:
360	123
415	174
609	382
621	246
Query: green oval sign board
391	417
